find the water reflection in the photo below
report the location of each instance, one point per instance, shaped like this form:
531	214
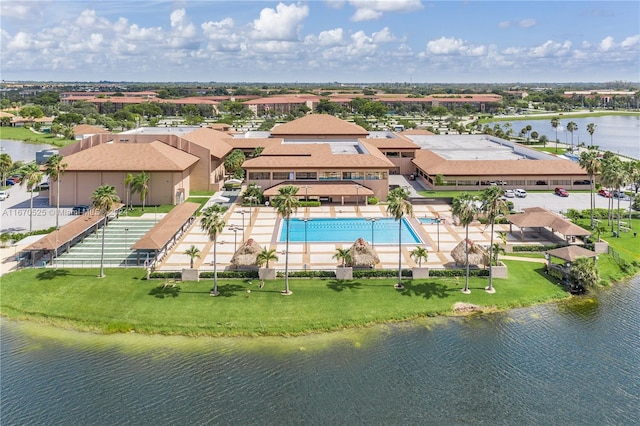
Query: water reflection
575	363
21	151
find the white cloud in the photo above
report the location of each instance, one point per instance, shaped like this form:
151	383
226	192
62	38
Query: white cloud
527	23
453	46
606	44
331	37
631	41
550	49
17	11
383	36
367	10
504	24
283	23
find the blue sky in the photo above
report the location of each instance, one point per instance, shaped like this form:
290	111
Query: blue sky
321	41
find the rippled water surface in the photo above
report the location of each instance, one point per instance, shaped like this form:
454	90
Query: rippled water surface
556	364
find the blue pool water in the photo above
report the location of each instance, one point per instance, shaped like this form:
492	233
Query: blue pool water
382	231
428	220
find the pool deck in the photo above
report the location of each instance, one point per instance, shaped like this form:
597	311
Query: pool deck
263	223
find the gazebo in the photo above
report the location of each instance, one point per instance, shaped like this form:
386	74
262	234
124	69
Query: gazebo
568	255
542	219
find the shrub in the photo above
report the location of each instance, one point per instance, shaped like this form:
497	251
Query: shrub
373	200
309	204
544	247
231	274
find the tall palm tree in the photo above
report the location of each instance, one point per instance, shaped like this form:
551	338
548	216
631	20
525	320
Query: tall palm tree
5	165
591	128
419	254
493	205
128	181
286	203
103	199
572	127
55	168
193	252
465	209
555	122
140	185
398	206
212	223
612	177
31	177
590	161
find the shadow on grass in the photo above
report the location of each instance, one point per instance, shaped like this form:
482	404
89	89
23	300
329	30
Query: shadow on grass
541	272
427	290
51	274
228	290
163	291
340	285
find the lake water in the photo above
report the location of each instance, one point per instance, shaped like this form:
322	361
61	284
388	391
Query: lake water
552	364
615	133
21	151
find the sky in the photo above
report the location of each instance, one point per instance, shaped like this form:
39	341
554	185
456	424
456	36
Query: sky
347	41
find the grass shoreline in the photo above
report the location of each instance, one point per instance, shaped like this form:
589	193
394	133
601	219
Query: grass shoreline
76	299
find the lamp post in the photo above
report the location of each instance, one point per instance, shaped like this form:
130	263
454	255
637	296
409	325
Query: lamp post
242	212
250	199
235	230
438	220
305	220
357	197
126	246
306	193
373	221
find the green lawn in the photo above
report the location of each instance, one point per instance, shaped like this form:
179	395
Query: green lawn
124	301
22	134
137	210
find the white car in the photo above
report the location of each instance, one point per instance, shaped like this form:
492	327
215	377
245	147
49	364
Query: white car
509	193
4	195
520	193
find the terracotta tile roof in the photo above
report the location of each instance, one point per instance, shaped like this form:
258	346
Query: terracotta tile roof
315	155
433	164
150	157
318	125
166	228
292	99
86	129
69	231
571	253
211	139
324	189
539	217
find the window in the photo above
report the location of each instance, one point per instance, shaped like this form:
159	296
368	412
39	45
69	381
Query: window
281	175
259	175
352	175
329	176
376	175
306	175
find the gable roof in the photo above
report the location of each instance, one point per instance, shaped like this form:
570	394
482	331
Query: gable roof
571	253
213	140
539	217
318	125
167	227
150	157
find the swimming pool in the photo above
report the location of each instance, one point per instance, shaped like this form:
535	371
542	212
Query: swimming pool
428	220
380	231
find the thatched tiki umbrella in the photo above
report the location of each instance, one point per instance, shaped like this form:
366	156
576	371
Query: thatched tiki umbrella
363	255
247	254
477	255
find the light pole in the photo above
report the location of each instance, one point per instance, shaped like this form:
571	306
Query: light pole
305	220
373	221
438	220
306	193
242	212
357	197
250	199
235	237
126	234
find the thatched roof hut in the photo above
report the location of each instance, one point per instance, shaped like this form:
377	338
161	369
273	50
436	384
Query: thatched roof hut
247	254
363	255
477	255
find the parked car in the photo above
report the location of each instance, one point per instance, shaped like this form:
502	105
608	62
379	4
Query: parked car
4	195
509	193
605	193
44	186
619	194
9	182
561	192
520	193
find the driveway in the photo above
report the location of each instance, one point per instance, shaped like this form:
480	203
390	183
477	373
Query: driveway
550	201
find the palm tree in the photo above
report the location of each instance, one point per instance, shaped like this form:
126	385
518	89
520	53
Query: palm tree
55	168
555	122
612	177
5	166
571	127
591	128
399	205
286	203
464	208
266	256
140	185
213	225
31	177
128	181
343	255
590	161
493	205
419	254
584	272
104	197
500	247
192	252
